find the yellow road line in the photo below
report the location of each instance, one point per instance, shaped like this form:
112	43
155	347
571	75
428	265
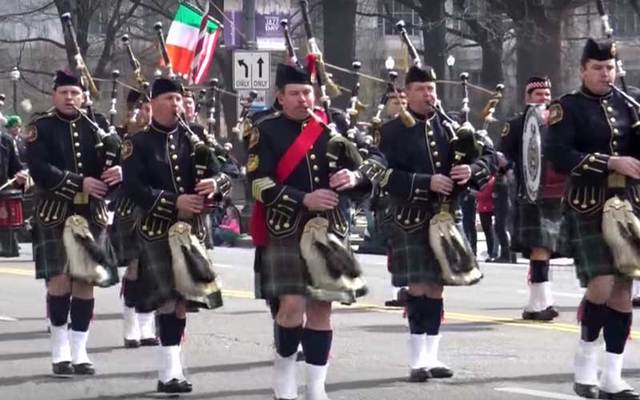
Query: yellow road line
453	316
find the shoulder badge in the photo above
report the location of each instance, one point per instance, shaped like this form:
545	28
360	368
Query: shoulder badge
506	129
253	162
255	138
127	149
30	134
555	113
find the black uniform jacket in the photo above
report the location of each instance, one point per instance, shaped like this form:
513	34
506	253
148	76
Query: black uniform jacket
414	155
585	130
158	166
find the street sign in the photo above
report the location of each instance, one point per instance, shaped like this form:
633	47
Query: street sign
251	70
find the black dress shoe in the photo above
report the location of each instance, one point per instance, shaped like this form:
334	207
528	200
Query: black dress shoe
547	314
84	369
586	391
62	369
419	375
149	342
393	303
175	386
131	343
627	394
441	372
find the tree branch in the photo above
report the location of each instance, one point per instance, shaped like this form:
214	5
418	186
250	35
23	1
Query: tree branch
20	14
35	39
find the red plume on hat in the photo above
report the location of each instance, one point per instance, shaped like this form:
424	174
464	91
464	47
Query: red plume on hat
312	60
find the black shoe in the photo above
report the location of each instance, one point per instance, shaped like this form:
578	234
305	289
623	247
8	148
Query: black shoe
586	391
131	343
84	369
175	386
149	342
547	314
393	303
62	369
627	394
441	372
419	375
635	301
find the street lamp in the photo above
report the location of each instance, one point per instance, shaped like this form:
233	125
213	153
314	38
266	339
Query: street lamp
15	77
451	61
389	63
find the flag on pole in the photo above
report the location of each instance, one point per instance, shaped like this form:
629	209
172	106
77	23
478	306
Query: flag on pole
191	49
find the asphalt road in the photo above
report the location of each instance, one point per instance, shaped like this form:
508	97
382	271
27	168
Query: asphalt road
228	351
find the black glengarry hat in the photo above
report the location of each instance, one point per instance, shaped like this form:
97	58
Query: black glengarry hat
420	74
286	74
600	50
163	85
64	78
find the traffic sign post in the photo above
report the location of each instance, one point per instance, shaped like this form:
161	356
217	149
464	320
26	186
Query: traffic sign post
251	70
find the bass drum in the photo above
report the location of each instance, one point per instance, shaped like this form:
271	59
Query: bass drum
534	130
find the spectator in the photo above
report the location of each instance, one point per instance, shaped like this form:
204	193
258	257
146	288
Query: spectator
485	209
228	231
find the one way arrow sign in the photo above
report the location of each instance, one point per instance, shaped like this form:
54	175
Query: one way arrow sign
251	70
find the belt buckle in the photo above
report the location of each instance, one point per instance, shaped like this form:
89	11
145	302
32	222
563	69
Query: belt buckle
81	198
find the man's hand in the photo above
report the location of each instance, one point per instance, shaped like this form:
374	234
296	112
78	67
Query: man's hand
321	200
441	184
206	186
625	165
190	203
461	174
343	180
94	187
22	177
112	176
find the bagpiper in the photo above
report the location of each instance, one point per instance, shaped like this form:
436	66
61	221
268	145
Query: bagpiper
594	139
70	213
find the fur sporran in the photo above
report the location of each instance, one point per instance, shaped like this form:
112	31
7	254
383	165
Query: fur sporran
335	273
86	261
192	270
453	252
621	231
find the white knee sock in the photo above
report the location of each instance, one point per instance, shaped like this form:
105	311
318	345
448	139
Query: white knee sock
417	351
60	348
284	377
585	363
131	326
170	363
79	347
316	377
611	378
147	323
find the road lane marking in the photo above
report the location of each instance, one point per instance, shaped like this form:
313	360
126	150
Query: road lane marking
538	393
449	315
7	319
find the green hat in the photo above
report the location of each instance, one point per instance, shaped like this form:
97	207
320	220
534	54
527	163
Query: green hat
13	120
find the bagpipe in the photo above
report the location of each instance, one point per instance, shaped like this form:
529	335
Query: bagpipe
142	85
620	223
450	246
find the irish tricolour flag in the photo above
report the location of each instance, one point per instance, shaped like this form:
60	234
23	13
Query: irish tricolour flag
182	42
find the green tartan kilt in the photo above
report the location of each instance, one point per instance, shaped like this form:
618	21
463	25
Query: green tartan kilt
412	260
155	276
587	246
49	252
280	268
124	239
538	226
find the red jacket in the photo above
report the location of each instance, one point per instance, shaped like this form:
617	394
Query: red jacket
485	197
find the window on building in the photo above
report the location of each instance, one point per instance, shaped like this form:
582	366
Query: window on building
400	12
624	20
